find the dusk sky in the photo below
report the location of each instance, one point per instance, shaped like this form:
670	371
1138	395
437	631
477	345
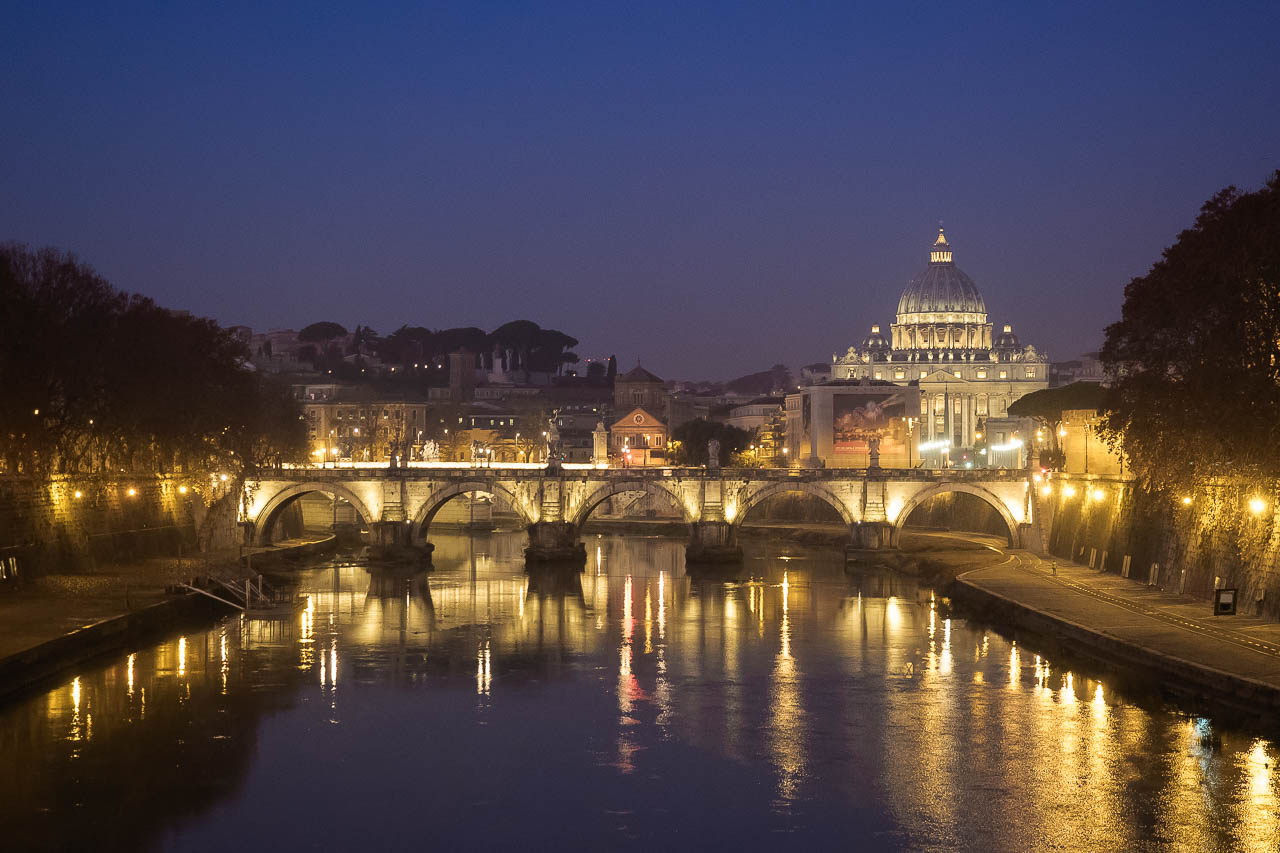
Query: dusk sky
710	189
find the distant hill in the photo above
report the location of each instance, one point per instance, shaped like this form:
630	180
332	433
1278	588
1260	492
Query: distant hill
776	378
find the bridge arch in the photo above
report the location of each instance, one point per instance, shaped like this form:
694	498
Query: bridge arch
817	490
942	488
263	523
608	490
421	522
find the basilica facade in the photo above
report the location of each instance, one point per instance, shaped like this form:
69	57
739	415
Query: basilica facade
942	346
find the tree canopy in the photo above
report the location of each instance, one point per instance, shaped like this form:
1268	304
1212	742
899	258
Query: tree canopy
1048	404
692	437
99	380
320	332
1194	362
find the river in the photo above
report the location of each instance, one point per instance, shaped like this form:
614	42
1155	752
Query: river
629	707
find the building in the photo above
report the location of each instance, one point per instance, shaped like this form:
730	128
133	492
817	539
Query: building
364	430
1086	368
943	343
639	435
755	414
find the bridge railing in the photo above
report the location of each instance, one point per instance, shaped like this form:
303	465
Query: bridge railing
468	471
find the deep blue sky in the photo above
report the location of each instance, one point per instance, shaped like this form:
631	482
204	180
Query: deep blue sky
709	188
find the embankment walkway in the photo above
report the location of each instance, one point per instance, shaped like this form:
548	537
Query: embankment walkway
1233	660
58	620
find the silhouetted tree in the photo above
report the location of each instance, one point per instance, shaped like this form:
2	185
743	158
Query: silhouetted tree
692	437
321	332
1194	362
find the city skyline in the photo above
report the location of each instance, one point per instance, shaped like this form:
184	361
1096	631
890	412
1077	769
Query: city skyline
590	169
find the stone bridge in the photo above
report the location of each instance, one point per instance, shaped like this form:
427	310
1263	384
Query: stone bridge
398	504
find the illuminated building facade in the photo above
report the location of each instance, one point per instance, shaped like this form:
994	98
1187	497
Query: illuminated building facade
943	344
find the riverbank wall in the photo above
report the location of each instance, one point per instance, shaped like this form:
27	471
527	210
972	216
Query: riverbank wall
28	669
1052	634
70	524
1217	540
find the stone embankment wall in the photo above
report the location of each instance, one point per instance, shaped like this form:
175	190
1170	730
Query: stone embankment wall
45	527
1217	540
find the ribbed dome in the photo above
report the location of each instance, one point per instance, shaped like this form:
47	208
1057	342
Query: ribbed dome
942	287
1007	339
875	340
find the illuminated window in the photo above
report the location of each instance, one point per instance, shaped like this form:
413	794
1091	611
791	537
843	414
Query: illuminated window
939	405
982	404
923	374
982	374
1004	374
1031	373
899	374
956	407
878	376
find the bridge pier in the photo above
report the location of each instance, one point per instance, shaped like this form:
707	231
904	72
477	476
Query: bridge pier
712	542
874	536
554	542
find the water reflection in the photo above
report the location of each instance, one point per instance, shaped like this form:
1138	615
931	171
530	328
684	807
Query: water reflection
629	701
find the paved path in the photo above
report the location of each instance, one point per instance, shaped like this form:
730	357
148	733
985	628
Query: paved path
56	605
1178	627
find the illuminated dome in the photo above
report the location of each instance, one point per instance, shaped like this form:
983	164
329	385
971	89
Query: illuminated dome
941	289
875	340
1007	339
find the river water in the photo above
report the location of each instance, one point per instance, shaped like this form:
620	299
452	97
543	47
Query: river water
629	707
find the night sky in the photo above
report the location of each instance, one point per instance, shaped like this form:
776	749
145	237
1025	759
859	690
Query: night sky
711	189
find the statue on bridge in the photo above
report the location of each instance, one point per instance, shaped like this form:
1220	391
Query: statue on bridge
713	454
554	454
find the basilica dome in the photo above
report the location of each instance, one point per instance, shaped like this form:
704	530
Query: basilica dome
941	289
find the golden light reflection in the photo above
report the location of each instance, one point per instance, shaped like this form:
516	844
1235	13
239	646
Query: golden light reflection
182	656
648	621
1015	666
944	661
129	672
484	671
787	723
662	605
225	666
892	614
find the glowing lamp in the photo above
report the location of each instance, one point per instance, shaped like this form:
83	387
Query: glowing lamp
182	490
1069	491
1186	501
132	491
1257	505
1097	494
222	477
79	494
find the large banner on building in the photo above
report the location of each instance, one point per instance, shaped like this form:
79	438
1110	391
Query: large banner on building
857	417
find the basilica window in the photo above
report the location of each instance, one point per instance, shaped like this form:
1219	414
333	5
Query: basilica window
956	407
982	404
923	374
899	374
878	376
924	405
939	405
1031	373
1004	374
982	374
